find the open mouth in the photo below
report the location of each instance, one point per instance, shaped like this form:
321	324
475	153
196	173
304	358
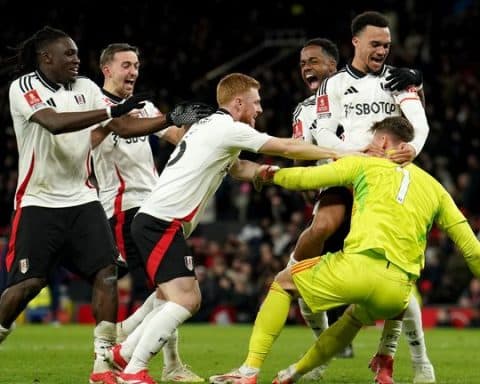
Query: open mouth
312	81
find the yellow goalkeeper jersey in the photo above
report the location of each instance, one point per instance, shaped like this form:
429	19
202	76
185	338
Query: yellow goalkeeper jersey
394	207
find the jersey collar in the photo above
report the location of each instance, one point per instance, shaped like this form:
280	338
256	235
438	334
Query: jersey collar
357	74
114	98
51	85
223	111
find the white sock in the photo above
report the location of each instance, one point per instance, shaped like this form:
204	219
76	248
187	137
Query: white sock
171	357
317	322
248	371
156	334
103	337
390	335
412	328
130	323
131	342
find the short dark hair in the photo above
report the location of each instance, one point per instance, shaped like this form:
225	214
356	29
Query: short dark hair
109	51
327	45
373	18
27	51
398	126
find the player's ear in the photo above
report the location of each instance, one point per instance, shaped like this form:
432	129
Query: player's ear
45	57
106	70
355	41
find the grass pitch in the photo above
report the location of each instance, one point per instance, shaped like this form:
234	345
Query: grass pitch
46	355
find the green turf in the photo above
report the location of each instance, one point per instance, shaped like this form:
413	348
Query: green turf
48	355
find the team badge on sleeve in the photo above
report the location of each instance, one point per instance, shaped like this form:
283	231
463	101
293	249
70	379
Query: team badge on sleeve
297	129
322	104
323	108
33	99
189	262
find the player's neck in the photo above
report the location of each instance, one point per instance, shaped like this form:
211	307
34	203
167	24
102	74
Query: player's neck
358	65
112	90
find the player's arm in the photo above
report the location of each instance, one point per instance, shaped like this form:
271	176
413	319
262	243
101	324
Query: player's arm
130	126
98	134
185	113
465	239
453	222
63	122
342	172
296	149
413	110
172	134
243	169
304	178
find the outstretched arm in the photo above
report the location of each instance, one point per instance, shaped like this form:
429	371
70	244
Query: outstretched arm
296	149
129	126
64	122
243	169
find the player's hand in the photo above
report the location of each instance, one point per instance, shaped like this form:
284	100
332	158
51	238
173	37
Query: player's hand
400	78
263	175
374	150
188	113
403	155
133	102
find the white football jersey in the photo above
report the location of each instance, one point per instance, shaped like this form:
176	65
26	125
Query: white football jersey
304	122
53	169
356	100
124	167
197	166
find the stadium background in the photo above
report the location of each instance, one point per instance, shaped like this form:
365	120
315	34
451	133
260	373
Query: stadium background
246	236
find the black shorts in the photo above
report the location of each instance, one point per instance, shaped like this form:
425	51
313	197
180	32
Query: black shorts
78	238
163	248
120	225
337	195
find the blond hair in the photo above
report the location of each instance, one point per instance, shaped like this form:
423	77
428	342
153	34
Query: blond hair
233	85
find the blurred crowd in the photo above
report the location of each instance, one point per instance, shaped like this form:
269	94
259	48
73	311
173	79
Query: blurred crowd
180	49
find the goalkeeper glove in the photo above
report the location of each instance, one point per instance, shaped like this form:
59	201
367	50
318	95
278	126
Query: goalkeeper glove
264	176
188	113
133	102
400	78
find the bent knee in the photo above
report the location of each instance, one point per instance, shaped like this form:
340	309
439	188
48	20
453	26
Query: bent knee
285	280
